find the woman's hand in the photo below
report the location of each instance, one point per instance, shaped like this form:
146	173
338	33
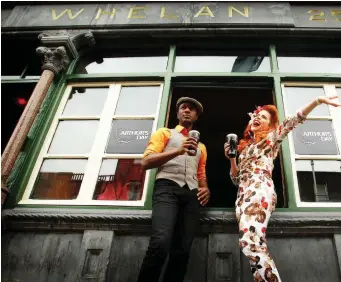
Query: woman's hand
226	151
328	100
320	100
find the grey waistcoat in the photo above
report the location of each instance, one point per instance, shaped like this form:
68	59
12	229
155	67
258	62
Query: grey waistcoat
182	169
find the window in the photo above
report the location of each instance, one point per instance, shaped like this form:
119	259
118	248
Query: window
316	145
92	154
308	64
224	113
242	63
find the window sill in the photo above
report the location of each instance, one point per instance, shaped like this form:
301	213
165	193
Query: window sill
140	221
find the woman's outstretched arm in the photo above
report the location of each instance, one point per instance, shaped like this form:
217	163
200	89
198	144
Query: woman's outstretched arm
291	122
319	100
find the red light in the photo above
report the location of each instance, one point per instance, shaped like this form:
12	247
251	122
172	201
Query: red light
21	101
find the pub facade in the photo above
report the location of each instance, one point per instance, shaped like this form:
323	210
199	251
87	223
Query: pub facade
87	83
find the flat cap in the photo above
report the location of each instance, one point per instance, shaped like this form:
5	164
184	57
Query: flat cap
196	103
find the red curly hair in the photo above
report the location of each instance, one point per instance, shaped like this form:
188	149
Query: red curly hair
247	140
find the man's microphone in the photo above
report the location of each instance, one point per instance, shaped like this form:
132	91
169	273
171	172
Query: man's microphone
232	140
196	135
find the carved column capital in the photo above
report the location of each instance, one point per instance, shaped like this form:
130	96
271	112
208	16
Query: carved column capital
55	60
74	41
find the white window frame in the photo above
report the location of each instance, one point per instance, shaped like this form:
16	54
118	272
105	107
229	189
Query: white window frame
335	117
96	154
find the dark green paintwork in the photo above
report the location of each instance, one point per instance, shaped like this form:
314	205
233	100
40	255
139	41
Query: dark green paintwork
25	163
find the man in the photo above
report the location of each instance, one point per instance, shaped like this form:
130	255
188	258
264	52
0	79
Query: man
180	188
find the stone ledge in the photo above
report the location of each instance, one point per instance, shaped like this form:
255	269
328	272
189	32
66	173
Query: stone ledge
140	220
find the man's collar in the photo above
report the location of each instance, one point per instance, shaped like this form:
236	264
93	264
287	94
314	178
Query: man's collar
181	129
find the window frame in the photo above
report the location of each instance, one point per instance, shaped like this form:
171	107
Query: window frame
335	117
94	157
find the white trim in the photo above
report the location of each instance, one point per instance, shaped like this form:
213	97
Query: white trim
138	203
147	176
317	157
139	117
79	117
335	117
60	156
122	156
87	188
319	204
336	114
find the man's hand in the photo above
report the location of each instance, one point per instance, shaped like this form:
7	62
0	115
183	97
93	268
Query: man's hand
203	195
188	144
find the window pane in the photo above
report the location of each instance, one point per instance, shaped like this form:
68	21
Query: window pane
327	177
309	64
222	64
138	100
121	180
338	91
315	137
296	97
85	102
59	179
129	65
129	136
74	137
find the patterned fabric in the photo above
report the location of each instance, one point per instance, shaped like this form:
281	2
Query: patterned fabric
256	199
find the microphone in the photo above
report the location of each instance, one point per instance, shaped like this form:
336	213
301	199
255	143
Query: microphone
196	135
232	140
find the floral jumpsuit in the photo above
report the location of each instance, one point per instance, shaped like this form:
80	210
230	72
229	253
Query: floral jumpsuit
256	199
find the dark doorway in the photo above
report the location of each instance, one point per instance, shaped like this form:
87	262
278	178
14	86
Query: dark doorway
225	111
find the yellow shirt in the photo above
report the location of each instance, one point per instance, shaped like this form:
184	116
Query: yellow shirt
158	142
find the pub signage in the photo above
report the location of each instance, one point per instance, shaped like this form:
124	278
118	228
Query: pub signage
315	137
278	14
129	136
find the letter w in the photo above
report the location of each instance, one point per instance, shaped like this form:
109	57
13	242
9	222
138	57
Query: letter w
68	11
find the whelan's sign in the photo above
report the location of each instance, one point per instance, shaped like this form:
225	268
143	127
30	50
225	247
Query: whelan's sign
146	14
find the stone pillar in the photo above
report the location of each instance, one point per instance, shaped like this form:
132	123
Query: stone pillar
59	48
54	61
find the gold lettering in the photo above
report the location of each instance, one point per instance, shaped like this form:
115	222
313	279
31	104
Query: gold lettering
246	11
204	11
137	13
336	14
101	12
163	14
314	17
68	11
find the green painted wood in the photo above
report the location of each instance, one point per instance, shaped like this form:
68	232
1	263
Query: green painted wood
222	74
162	119
17	81
21	172
113	76
289	182
273	59
311	77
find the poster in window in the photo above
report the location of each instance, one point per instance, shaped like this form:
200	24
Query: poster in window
129	136
315	137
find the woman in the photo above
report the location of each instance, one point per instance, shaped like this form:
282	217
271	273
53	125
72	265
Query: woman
256	199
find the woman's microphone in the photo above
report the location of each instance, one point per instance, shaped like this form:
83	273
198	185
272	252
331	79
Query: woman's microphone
196	135
232	140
